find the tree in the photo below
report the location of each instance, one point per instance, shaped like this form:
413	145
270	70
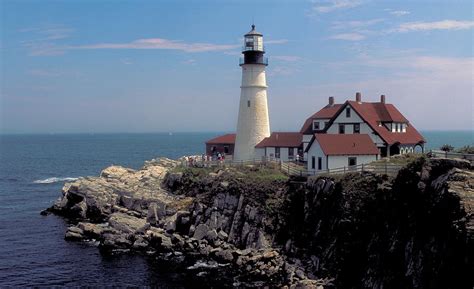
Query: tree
466	150
446	148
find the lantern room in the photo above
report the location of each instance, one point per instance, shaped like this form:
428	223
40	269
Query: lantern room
253	49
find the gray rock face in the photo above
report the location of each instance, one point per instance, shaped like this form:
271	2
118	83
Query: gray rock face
126	223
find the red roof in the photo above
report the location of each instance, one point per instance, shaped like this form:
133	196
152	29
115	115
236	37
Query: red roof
282	139
346	144
375	113
223	139
326	112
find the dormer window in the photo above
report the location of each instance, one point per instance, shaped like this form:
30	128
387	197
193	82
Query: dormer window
316	125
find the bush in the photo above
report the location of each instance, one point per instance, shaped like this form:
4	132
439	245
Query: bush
446	148
466	150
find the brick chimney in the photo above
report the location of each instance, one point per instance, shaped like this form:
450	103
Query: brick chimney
382	98
331	100
358	97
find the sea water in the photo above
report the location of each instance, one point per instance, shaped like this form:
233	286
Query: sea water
33	169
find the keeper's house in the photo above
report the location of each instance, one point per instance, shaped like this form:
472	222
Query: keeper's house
328	151
339	135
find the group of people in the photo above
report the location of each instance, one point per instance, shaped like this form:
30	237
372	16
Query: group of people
204	160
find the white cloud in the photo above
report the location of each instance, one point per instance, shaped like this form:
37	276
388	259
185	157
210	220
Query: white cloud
159	43
44	72
437	25
326	6
355	24
49	32
190	62
422	87
276	41
288	58
400	12
348	36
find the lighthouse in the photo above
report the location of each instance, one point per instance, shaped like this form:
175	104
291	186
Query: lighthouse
253	124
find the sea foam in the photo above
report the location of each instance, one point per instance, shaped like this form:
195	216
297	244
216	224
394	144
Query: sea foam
54	180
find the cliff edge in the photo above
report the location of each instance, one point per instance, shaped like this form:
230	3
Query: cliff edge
257	227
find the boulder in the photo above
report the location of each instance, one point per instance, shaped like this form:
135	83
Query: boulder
126	223
201	231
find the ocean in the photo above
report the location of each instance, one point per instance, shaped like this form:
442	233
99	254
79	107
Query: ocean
33	169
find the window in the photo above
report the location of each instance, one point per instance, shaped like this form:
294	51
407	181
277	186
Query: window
248	103
213	148
320	163
277	153
226	149
352	161
356	128
326	124
313	162
315	125
348	112
291	153
342	128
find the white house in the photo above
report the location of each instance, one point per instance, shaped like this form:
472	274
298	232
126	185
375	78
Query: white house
389	130
284	146
331	151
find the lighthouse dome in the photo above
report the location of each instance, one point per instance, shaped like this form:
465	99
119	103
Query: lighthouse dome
253	32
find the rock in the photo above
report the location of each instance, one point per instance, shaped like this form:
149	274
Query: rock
74	234
225	255
200	231
90	230
211	235
79	210
300	274
222	235
126	223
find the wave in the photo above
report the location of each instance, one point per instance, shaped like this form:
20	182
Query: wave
54	180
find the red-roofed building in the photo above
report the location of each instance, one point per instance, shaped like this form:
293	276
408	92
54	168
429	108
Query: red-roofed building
286	146
222	144
390	132
329	151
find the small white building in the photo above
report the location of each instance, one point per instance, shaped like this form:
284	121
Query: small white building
284	146
334	151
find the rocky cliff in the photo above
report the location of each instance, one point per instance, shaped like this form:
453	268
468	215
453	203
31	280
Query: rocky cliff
261	228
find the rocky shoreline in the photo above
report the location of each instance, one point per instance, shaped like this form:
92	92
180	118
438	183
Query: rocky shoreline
252	223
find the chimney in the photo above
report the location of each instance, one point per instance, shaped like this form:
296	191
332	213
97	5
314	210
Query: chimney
358	97
382	98
331	100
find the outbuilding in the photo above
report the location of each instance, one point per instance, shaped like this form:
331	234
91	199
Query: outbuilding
333	151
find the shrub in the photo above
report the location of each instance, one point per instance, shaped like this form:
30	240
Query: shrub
446	148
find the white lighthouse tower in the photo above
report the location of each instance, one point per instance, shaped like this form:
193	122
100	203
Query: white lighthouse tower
253	124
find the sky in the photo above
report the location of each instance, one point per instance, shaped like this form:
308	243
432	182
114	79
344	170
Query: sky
172	66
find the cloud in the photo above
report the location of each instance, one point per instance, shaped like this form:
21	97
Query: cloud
326	6
400	12
355	24
44	72
49	32
348	36
437	25
288	58
189	62
41	48
160	43
423	87
282	70
276	41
